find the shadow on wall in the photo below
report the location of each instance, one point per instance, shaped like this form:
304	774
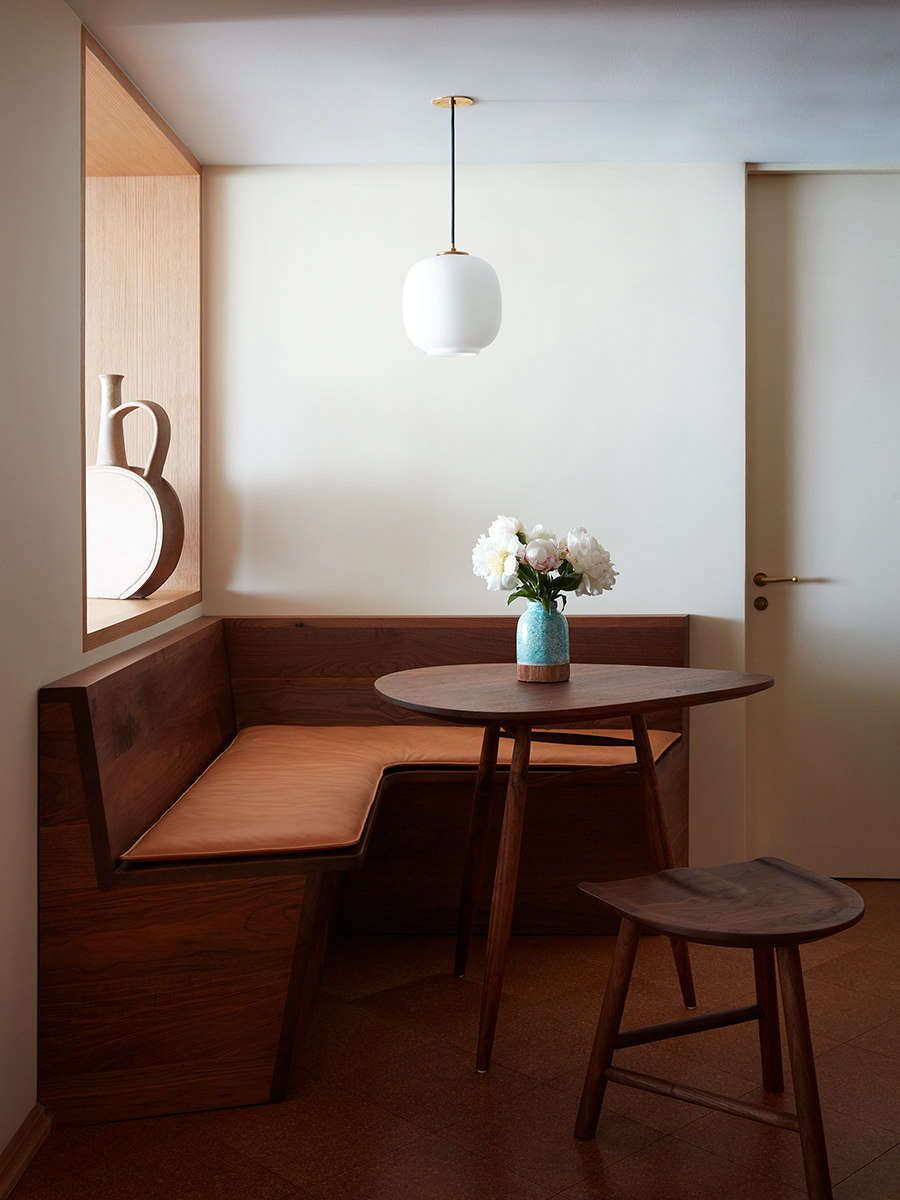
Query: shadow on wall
350	547
717	642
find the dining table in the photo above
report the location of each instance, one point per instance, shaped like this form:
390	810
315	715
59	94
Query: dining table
490	695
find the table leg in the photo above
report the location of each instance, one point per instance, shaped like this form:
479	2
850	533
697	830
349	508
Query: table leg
662	846
474	868
504	897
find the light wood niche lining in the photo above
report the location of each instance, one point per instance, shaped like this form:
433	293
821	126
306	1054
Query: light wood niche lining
124	134
141	309
128	616
142	320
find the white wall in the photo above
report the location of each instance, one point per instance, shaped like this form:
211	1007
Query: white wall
40	395
345	472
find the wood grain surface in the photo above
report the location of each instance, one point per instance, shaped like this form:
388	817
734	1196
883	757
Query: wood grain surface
124	134
155	999
165	989
320	670
155	722
142	320
764	902
479	692
578	825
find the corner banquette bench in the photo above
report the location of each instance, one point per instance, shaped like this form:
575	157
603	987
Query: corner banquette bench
203	796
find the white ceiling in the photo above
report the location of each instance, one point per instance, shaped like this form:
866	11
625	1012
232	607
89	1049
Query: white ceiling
349	81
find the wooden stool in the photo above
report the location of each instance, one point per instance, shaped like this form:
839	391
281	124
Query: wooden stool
768	905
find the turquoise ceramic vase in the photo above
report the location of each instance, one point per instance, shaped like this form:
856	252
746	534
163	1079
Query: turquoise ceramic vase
542	645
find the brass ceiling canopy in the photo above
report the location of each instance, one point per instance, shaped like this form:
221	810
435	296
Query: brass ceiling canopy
447	101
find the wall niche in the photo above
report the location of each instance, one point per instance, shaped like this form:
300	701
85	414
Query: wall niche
141	309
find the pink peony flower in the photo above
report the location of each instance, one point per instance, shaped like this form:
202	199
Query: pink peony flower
542	553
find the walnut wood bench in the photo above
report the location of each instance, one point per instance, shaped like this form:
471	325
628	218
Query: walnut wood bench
201	797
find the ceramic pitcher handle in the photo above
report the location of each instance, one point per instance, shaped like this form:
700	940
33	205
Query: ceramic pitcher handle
161	437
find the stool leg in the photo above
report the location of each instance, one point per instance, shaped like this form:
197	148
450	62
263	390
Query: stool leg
806	1090
607	1030
682	958
769	1036
662	847
474	868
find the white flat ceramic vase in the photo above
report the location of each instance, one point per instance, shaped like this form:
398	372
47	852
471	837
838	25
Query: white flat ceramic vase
124	532
134	525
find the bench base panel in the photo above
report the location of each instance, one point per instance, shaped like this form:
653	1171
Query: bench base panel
579	825
168	999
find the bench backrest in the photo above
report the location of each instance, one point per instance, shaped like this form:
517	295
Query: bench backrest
320	670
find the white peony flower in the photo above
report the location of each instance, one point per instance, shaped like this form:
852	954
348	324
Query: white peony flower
540	531
542	553
591	561
494	559
506	527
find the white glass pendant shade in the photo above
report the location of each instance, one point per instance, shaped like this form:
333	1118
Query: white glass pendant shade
451	304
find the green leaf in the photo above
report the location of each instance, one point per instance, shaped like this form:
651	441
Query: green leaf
517	595
569	583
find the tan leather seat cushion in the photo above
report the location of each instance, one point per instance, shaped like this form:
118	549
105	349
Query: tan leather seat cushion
282	789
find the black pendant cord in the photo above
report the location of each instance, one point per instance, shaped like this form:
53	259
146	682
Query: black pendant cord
452	172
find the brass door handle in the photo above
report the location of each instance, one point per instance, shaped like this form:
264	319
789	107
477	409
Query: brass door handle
761	579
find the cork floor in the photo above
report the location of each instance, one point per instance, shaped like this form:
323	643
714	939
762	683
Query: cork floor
386	1105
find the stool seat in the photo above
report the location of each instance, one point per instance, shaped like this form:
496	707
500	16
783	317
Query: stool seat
764	902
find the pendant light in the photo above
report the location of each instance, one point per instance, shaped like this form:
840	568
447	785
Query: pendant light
451	301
